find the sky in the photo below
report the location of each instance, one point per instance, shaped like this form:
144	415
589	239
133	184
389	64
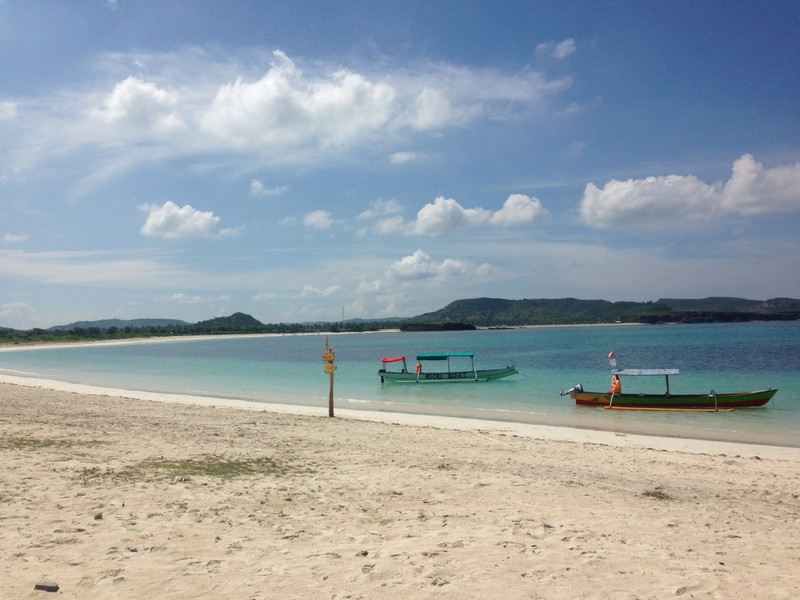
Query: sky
313	161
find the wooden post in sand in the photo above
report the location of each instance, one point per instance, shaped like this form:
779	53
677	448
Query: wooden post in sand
329	367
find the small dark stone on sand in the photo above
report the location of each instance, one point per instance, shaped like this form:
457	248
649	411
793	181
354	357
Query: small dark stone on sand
46	586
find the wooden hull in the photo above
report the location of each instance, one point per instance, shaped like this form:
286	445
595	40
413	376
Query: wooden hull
447	377
675	401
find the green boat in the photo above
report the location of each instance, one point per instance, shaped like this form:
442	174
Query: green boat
710	401
439	374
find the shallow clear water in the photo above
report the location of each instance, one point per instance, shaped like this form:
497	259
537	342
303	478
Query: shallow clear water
288	369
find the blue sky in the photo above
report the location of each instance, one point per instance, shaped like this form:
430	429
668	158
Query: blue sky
306	160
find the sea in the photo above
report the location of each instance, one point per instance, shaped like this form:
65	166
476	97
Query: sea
288	369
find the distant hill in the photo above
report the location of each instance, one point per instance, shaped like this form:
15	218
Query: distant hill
461	314
488	312
726	304
119	324
237	322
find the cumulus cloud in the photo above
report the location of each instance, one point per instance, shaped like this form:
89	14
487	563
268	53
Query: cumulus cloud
257	189
660	201
189	105
752	189
518	209
431	108
653	200
144	104
375	286
446	215
318	219
173	222
309	291
420	265
285	107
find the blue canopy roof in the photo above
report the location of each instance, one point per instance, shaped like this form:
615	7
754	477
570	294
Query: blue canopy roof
645	372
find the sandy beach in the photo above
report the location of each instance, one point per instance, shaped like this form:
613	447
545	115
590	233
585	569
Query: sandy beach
112	494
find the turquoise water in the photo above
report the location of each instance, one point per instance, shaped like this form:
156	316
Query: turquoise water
288	369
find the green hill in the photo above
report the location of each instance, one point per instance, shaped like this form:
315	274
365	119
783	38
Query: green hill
236	323
726	304
119	324
488	312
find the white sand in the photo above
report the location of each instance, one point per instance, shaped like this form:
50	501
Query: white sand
373	505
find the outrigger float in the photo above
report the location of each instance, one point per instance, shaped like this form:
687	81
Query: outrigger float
422	375
710	402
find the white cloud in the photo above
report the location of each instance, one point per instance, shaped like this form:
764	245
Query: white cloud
89	268
375	286
446	215
390	225
380	208
229	232
8	110
310	291
188	105
174	222
650	201
518	209
401	158
431	109
11	238
564	49
182	298
16	310
261	296
676	199
143	104
286	108
753	189
420	265
558	50
318	219
257	189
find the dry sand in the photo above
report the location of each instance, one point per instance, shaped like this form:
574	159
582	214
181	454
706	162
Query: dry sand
114	497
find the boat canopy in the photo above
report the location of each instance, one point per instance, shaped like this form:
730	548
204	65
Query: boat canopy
390	359
646	372
443	355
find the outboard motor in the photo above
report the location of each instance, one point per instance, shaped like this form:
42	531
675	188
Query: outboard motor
578	388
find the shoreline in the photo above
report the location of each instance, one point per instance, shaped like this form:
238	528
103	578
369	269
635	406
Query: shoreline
526	430
5	346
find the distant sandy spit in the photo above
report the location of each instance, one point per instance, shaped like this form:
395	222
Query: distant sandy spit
174	497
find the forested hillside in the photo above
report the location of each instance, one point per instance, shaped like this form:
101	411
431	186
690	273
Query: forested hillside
488	312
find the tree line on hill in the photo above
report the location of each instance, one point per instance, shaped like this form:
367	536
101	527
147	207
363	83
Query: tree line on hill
461	314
